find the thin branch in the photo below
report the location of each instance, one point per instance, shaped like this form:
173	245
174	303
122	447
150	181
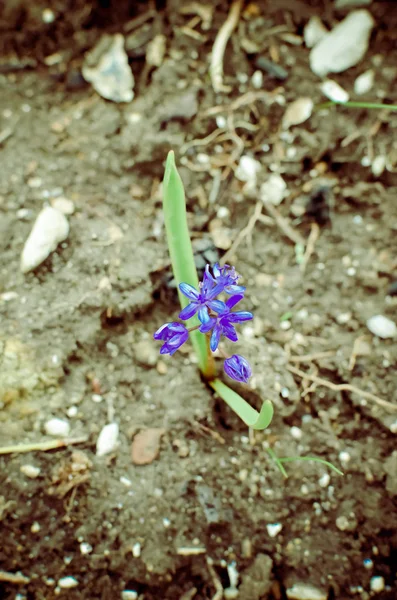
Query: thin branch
219	47
42	446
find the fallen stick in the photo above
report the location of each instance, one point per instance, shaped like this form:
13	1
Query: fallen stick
219	47
42	446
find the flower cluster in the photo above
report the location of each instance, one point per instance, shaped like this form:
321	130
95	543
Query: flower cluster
215	316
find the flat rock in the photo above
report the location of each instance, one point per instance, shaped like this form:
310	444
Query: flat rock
344	46
50	229
382	326
146	445
305	591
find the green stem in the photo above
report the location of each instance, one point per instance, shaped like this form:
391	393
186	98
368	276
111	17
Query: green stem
313	458
278	462
370	105
181	254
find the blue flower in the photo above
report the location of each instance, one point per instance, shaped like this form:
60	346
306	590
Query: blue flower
202	300
226	277
174	335
238	368
223	323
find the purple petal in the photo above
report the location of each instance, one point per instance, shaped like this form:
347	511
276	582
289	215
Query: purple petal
208	273
216	334
233	300
229	332
216	270
217	306
238	368
189	291
240	316
206	327
189	311
214	292
203	314
160	334
235	289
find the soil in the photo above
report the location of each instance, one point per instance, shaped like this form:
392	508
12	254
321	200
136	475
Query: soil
76	334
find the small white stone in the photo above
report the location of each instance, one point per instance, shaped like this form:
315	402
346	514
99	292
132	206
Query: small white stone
344	46
166	522
35	528
377	584
334	91
72	411
57	427
97	398
85	548
247	169
257	80
108	439
324	480
136	550
344	457
64	205
314	31
368	563
342	523
111	76
220	121
305	591
129	595
67	583
296	433
50	229
364	82
273	190
30	471
273	529
48	16
297	112
378	165
125	481
382	326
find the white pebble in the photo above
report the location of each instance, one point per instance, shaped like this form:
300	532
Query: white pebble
314	31
30	471
67	583
220	121
378	165
297	112
382	326
85	548
364	82
377	584
108	439
72	411
247	169
334	91
136	550
324	480
125	481
48	16
344	457
305	591
50	229
342	523
64	205
296	433
57	427
344	46
273	190
129	595
273	529
257	80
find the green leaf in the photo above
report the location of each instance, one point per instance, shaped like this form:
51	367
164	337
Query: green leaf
370	105
181	254
249	415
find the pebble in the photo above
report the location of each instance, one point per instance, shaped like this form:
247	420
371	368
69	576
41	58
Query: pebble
314	31
368	563
297	112
273	529
85	548
378	165
129	595
257	80
106	68
108	439
248	169
273	190
377	584
50	229
305	591
146	445
364	82
324	480
296	433
30	471
382	326
64	205
334	91
67	583
344	46
57	427
271	68
146	353
342	523
136	550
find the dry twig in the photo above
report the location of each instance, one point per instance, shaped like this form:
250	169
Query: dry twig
311	357
311	242
215	580
219	47
247	231
13	577
283	224
343	387
42	446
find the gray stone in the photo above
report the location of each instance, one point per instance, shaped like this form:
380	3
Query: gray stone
256	580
